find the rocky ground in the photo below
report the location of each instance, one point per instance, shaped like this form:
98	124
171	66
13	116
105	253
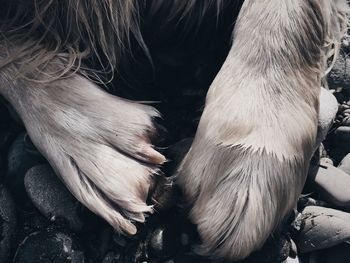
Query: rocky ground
40	221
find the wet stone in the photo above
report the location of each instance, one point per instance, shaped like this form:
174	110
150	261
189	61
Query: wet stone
337	254
97	241
333	185
7	223
51	197
327	113
340	74
322	228
165	242
344	165
19	161
112	257
48	247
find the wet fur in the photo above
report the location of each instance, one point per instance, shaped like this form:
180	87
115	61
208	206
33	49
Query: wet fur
249	159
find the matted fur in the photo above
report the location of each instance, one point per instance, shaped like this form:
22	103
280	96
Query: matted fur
249	159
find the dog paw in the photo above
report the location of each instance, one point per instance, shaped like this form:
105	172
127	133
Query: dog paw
99	145
244	171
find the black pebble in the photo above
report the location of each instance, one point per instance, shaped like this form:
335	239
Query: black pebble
49	247
20	160
7	223
51	197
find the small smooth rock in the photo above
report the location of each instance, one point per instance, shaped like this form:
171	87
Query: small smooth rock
48	247
51	197
322	228
18	163
344	164
342	134
165	242
292	260
327	113
111	257
7	223
337	254
340	74
333	185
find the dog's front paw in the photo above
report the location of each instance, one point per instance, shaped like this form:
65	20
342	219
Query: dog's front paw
99	145
245	169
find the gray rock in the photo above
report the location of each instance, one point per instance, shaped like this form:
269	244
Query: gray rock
7	224
337	254
322	228
342	135
340	74
292	260
51	197
19	162
327	113
111	257
48	247
165	242
333	185
344	164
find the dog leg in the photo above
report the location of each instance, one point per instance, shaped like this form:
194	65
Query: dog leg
97	143
250	156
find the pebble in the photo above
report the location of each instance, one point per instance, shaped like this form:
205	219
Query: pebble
322	228
165	242
327	113
340	74
342	134
333	185
7	223
51	197
49	246
337	254
112	257
344	164
292	260
19	161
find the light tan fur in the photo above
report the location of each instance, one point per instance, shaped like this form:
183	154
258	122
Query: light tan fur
249	159
97	143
